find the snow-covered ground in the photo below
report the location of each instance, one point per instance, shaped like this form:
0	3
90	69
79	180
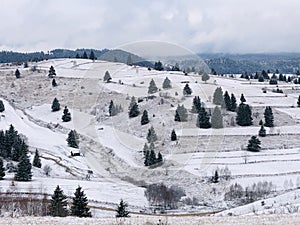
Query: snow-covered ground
112	146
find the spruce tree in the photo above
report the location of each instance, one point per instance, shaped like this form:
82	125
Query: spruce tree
144	118
92	55
77	56
84	56
187	90
79	204
17	73
24	169
73	139
151	135
147	158
217	118
181	114
122	209
58	203
52	72
203	119
54	84
233	104
254	144
269	117
166	84
196	105
2	107
112	109
173	135
66	115
107	78
227	100
215	178
159	157
36	160
262	131
218	96
133	108
243	100
55	105
205	77
244	115
261	123
152	87
298	102
152	157
2	170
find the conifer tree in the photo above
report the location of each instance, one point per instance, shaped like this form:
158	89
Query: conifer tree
166	84
187	90
107	78
298	102
121	210
173	135
36	160
147	158
269	117
2	108
112	109
52	72
181	114
233	103
79	204
217	118
17	73
2	170
66	115
24	169
262	131
151	136
243	100
133	108
203	119
129	60
196	105
58	203
205	77
215	178
152	87
254	144
54	84
244	115
92	55
144	118
218	96
77	56
152	157
55	105
73	139
227	101
159	157
84	56
158	66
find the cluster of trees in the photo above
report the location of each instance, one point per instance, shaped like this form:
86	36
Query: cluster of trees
230	102
160	195
13	147
181	114
114	109
59	203
251	193
150	155
152	88
66	117
85	56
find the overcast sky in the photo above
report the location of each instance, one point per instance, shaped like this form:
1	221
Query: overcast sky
234	26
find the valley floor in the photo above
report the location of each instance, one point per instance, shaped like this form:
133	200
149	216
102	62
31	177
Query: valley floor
279	219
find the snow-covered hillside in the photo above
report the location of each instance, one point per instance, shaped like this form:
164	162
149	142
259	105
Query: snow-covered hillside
112	146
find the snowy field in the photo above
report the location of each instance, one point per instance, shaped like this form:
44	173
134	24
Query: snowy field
112	145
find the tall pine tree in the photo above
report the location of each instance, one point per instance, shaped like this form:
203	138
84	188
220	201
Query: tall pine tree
244	115
227	100
2	170
36	160
79	204
121	210
233	104
196	105
55	105
24	169
217	118
144	118
152	87
254	144
66	115
112	109
173	135
73	139
58	203
167	83
151	136
133	108
52	72
269	117
218	96
17	74
203	119
181	114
